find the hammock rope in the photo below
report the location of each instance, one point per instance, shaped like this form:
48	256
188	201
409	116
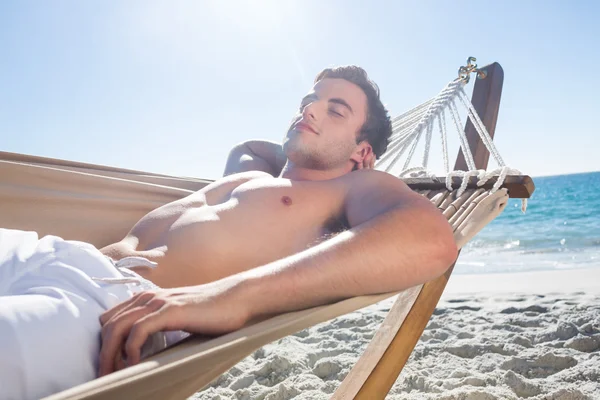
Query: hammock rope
409	128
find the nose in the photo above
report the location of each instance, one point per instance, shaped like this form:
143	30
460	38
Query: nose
309	111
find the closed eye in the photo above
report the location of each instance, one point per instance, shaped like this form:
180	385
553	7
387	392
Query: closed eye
331	111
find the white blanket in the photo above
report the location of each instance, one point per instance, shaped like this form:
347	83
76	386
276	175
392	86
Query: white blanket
50	306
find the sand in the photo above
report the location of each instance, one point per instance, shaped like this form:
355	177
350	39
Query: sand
503	336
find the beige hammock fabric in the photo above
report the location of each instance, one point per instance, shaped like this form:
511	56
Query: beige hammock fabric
100	204
77	201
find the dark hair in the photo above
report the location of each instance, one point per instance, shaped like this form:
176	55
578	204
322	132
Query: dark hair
378	127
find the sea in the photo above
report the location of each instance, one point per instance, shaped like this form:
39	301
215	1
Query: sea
559	230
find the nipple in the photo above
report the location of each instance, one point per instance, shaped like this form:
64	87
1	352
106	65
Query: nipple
286	200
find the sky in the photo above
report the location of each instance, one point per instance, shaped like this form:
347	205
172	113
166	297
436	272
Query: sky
170	86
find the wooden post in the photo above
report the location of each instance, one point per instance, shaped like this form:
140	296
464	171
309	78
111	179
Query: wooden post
486	100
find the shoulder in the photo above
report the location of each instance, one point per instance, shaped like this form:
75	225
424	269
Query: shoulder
362	182
221	188
238	179
370	193
244	176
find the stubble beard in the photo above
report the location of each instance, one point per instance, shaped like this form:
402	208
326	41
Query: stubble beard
310	155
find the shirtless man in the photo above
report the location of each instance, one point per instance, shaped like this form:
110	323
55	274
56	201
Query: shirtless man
251	244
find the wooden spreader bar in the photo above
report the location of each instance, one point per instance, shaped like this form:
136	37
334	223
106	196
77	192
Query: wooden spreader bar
519	186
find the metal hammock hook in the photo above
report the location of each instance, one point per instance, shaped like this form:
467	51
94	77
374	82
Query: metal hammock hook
465	72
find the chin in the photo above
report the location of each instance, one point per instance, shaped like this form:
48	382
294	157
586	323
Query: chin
297	143
300	155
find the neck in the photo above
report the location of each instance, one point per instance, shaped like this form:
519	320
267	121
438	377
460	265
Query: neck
296	173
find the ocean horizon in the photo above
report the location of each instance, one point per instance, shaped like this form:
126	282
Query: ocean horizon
559	230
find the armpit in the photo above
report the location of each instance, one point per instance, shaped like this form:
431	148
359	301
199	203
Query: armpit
373	193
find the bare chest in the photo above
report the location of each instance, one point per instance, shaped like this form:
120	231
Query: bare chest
307	208
256	223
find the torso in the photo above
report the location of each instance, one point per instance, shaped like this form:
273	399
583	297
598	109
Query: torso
233	227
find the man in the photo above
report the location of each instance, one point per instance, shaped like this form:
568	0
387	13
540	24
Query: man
250	244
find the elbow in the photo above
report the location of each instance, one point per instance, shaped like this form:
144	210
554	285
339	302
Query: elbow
445	250
234	159
433	250
439	248
239	150
448	255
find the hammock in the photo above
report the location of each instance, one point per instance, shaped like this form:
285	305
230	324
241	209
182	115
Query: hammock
68	199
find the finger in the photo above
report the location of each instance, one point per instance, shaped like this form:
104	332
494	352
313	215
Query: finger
120	360
161	320
107	315
136	301
373	162
113	336
368	160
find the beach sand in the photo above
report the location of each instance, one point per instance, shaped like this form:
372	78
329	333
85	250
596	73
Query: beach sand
533	335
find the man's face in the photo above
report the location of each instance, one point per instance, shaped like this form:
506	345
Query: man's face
323	135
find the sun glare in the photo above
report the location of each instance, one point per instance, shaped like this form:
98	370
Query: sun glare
251	16
259	21
181	28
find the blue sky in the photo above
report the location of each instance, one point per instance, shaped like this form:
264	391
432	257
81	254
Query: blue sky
171	86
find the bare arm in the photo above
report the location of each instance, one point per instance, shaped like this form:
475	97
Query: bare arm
255	155
397	239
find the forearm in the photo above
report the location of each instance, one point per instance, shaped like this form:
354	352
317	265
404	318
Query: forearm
241	159
392	252
398	249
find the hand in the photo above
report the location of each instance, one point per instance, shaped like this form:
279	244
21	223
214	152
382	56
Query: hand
209	309
368	162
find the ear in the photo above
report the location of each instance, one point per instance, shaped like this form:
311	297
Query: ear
363	149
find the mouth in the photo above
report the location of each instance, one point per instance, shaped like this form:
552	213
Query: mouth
303	126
